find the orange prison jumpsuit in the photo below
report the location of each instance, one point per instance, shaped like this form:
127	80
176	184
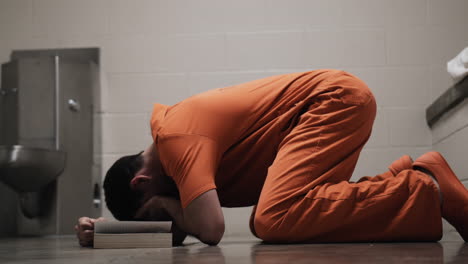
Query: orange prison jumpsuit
289	144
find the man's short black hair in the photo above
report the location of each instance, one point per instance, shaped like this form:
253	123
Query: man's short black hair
121	200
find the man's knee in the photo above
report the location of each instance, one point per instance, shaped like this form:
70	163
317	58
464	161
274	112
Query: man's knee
268	228
366	107
354	90
263	228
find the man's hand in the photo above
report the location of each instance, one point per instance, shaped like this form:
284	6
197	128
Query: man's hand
85	230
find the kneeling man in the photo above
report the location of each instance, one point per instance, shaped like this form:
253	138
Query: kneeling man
287	145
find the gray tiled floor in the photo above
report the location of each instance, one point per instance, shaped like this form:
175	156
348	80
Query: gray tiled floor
64	249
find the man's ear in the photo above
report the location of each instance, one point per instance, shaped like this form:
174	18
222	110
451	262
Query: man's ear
140	182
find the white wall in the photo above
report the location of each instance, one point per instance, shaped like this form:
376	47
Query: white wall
164	51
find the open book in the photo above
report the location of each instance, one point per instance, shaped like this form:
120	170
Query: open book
132	234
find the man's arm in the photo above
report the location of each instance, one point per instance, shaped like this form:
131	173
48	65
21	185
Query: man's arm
203	217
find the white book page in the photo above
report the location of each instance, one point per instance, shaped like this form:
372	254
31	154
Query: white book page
120	227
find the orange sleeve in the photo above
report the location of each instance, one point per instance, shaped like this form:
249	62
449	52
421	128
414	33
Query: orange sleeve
191	160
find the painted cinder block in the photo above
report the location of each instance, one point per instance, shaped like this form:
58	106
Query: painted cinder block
138	16
196	17
125	53
202	52
363	47
68	17
15	12
335	48
405	86
445	42
255	51
447	12
243	16
405	13
136	93
408	46
302	14
408	127
364	12
324	48
125	133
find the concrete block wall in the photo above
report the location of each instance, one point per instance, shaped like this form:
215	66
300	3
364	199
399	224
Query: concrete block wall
166	50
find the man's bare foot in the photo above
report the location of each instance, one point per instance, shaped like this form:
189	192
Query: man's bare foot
454	193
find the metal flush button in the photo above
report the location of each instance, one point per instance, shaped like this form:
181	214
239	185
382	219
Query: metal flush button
74	105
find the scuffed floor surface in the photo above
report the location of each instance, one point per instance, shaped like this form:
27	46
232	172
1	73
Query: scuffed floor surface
64	249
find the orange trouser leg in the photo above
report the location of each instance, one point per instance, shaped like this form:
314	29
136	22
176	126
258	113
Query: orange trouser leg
307	197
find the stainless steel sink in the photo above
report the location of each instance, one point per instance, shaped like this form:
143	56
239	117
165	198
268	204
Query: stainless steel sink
27	169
